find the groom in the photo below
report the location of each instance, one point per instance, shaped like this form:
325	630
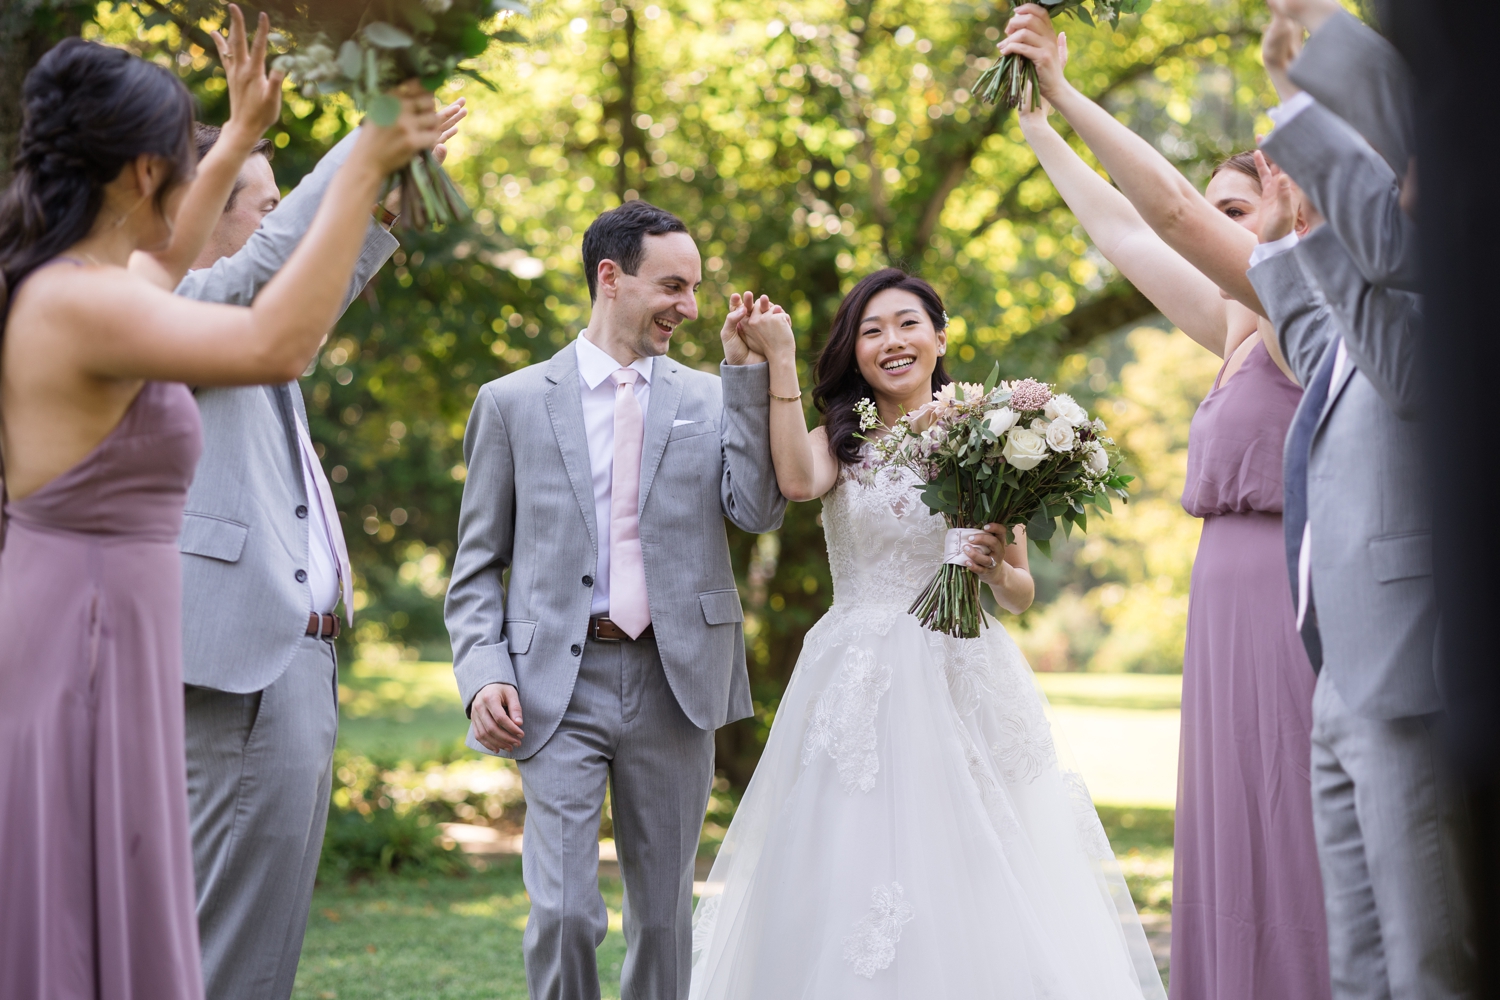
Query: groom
600	480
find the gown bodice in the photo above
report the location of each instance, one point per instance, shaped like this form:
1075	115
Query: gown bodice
883	542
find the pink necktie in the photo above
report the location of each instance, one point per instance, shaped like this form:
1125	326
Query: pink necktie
331	518
628	607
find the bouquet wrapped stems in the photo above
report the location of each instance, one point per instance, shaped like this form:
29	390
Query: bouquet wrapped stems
950	603
428	194
1007	81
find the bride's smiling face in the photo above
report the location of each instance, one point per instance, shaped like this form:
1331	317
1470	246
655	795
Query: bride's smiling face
898	348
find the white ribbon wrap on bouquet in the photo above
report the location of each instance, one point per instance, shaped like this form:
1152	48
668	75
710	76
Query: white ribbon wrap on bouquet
953	546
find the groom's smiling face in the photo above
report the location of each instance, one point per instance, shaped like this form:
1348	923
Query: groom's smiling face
662	293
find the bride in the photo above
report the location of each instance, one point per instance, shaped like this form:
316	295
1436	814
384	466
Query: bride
908	832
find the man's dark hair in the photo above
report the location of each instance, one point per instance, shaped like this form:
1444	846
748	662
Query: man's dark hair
204	137
619	235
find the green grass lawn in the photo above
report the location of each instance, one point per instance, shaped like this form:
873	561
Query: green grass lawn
456	938
445	938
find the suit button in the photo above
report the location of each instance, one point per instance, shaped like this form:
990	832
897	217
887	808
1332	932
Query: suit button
301	576
577	649
588	581
302	510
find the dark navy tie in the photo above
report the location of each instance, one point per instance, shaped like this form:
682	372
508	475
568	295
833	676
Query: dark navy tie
1294	480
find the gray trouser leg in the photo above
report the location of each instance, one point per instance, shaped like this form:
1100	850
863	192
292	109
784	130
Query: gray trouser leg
259	776
622	725
660	781
1386	816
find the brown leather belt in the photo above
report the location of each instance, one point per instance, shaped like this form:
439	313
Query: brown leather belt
324	626
604	630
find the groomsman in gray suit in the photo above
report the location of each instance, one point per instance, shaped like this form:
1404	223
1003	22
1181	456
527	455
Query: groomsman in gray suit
264	570
1359	523
601	480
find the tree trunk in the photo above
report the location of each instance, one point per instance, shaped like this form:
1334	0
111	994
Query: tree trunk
28	28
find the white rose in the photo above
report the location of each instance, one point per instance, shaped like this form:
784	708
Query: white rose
1064	408
1001	420
1060	436
1024	449
1095	461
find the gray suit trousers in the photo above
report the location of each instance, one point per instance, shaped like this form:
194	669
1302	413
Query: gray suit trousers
1387	815
623	725
260	768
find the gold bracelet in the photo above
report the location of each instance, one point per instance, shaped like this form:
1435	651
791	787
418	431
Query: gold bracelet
785	399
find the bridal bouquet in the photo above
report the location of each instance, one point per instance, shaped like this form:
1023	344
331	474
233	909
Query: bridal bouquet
1005	453
365	47
1005	82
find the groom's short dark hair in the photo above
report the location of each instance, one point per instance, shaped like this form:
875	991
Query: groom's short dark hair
619	235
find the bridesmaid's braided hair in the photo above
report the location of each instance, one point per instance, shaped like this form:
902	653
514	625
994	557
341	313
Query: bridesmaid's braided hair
840	385
89	110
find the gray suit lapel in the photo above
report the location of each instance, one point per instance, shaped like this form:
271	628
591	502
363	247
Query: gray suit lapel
565	408
666	396
1337	388
281	399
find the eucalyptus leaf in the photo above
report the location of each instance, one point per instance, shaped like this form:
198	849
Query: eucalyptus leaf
384	110
386	36
350	59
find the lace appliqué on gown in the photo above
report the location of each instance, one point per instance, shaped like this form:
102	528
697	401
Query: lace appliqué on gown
842	721
704	921
1024	748
1090	831
872	946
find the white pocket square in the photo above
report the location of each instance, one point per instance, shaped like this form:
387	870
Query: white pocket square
679	423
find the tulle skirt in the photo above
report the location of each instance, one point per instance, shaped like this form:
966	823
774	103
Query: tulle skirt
910	833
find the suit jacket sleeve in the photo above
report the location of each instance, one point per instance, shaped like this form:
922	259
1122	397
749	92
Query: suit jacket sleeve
1379	325
1303	320
1354	72
475	608
236	280
1355	190
748	491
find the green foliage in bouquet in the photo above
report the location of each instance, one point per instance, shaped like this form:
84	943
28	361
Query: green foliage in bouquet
366	47
1006	81
1008	454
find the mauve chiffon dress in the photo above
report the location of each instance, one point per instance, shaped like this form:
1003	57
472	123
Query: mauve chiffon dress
1247	896
96	871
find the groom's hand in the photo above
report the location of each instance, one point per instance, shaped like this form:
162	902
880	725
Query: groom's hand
736	350
496	714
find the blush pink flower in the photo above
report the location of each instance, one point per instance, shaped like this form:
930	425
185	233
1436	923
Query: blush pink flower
1029	394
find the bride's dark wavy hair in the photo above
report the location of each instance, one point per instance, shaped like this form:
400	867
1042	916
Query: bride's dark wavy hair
840	384
89	110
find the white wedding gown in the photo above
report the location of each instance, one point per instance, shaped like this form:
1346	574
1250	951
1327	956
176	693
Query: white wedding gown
908	832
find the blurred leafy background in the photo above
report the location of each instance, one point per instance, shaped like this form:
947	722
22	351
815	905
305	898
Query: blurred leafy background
805	144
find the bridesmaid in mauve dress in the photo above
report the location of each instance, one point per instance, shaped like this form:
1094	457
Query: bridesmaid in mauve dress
1247	901
101	439
1247	895
93	788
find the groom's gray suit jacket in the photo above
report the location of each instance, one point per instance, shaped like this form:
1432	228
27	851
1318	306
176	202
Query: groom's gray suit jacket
528	508
244	533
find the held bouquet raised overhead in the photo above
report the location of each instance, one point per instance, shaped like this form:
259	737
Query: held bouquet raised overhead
1005	82
1002	453
366	47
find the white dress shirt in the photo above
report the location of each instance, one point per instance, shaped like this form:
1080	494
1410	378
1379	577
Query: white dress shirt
322	562
1304	556
597	389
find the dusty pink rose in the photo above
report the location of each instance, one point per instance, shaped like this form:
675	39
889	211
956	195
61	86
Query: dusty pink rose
1029	394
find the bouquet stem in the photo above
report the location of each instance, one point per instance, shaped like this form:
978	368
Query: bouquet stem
428	194
1006	83
950	604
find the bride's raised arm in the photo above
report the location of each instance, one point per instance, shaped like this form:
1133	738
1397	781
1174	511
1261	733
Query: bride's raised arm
805	467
